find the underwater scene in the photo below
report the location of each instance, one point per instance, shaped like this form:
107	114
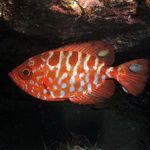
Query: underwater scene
74	75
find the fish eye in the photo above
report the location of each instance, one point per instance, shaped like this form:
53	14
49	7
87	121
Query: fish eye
26	72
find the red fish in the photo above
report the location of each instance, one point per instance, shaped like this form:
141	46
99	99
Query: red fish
80	72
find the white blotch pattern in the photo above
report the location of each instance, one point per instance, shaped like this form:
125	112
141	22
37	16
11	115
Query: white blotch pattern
72	88
89	87
62	93
50	79
31	62
96	64
108	71
81	75
135	68
85	65
103	53
45	91
87	77
77	64
47	62
52	94
125	90
103	77
32	91
38	78
96	76
58	66
31	82
82	83
38	95
62	77
68	66
55	87
64	85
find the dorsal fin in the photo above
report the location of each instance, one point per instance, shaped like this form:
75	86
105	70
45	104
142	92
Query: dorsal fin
103	91
100	49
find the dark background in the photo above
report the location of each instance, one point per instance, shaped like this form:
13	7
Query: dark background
27	123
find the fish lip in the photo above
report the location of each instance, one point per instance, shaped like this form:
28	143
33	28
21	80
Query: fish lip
14	78
10	75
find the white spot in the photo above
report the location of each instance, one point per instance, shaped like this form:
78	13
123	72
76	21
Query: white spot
82	83
52	94
64	75
125	90
81	75
44	97
25	86
38	78
45	91
72	88
38	95
96	79
135	68
72	80
50	79
103	77
80	89
84	93
32	91
31	62
64	85
89	87
103	53
62	93
55	87
31	82
87	77
36	84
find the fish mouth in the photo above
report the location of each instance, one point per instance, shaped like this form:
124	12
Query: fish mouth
14	78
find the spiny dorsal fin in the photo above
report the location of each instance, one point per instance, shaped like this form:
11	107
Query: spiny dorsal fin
100	49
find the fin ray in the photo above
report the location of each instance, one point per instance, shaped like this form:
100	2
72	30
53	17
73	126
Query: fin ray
100	49
133	75
103	91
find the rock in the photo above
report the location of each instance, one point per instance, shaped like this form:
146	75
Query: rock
117	21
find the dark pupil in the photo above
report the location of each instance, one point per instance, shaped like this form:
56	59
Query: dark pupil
25	72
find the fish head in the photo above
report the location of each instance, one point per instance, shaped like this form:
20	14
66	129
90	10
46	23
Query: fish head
29	76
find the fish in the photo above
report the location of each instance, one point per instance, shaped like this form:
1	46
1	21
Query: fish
81	72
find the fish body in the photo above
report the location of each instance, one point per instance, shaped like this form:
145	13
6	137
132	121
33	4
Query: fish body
80	72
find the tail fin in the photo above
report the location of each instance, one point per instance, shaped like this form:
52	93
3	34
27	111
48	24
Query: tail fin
133	75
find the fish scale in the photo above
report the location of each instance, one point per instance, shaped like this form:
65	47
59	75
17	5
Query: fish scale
82	67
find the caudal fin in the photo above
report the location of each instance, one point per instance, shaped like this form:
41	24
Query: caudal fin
133	75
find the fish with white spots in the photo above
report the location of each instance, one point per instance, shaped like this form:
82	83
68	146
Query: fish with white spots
79	72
